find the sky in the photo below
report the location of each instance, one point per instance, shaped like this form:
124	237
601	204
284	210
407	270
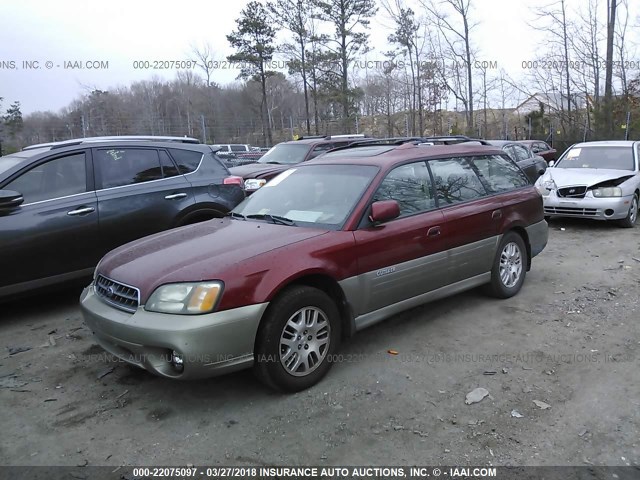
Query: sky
115	36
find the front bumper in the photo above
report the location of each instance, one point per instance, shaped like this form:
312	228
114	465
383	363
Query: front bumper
210	344
613	208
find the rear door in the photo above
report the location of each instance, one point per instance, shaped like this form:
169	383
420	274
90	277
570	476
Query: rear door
404	257
140	192
54	232
526	161
471	217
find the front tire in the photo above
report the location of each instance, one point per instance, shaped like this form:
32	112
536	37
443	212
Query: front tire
632	216
297	339
509	267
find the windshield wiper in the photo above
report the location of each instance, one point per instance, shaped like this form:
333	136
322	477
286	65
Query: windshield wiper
237	215
273	218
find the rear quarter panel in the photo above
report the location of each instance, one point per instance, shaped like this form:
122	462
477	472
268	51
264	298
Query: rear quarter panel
521	208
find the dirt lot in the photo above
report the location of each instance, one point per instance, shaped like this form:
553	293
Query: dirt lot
570	339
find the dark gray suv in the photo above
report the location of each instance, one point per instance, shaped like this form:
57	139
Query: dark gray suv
63	206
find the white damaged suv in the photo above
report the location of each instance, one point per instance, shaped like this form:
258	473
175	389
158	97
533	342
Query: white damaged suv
598	180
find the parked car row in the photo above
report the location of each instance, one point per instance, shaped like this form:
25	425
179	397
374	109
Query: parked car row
348	232
286	154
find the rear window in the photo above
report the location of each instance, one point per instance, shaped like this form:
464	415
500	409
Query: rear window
187	160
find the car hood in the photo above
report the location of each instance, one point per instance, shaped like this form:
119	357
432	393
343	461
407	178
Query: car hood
563	177
258	170
196	252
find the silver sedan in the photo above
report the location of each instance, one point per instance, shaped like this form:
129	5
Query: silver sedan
598	180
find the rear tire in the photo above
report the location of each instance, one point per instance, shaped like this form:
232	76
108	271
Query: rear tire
509	267
297	339
632	216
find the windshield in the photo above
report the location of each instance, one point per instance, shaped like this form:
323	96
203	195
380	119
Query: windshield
286	153
615	158
312	195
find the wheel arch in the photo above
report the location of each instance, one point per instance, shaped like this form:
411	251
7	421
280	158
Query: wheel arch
520	230
328	285
198	213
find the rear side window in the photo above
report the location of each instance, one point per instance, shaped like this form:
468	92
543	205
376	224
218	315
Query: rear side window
187	160
499	173
169	169
456	181
410	185
126	166
54	179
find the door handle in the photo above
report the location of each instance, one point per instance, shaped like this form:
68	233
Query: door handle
496	214
433	232
81	211
175	196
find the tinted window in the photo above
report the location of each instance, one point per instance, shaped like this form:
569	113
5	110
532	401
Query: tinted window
168	167
410	185
456	181
320	149
57	178
500	173
187	160
238	148
125	166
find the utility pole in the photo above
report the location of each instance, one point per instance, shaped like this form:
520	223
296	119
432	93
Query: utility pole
84	127
204	130
626	127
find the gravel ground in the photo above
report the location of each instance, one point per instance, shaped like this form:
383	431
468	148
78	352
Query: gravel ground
559	362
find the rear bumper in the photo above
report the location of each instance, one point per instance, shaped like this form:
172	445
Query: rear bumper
538	234
210	344
614	208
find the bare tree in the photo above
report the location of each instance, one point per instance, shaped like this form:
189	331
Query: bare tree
453	24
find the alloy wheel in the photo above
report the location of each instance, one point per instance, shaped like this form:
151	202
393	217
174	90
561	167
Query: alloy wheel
304	342
510	264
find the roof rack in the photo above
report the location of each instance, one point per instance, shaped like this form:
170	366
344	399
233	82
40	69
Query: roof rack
115	138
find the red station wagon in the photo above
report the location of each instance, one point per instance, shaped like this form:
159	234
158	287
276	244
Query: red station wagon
325	249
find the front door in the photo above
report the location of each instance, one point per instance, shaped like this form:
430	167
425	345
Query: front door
54	232
404	257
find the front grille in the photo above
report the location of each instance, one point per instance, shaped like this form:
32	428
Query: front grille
583	212
117	294
572	192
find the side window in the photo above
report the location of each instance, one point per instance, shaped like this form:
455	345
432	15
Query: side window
168	167
238	148
57	178
410	185
521	152
188	161
500	173
509	151
536	148
456	181
126	166
320	149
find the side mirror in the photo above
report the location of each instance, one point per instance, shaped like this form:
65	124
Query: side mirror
384	210
552	163
10	199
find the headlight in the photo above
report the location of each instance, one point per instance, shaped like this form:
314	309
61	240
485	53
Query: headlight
254	183
545	187
185	298
607	192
